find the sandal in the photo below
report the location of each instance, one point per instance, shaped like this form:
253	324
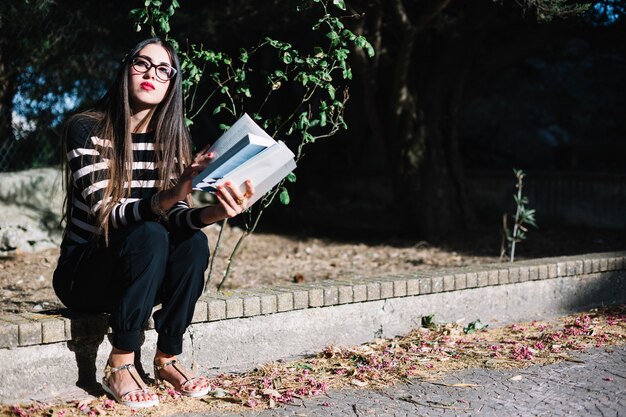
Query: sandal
109	370
181	388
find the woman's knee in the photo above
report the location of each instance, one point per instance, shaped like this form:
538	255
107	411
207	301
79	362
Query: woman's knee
191	249
194	243
200	243
200	249
149	235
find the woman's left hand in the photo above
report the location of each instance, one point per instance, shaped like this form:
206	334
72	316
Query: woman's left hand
232	200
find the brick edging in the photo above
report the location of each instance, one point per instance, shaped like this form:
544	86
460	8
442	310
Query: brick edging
26	329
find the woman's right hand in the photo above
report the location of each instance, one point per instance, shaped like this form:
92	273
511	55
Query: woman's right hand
184	185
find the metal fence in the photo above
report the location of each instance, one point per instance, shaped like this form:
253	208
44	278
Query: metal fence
34	151
578	199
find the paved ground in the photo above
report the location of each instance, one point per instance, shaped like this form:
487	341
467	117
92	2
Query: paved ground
594	387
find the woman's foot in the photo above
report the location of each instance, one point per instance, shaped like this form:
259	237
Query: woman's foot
122	381
168	369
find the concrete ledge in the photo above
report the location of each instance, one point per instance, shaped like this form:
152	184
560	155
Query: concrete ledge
48	354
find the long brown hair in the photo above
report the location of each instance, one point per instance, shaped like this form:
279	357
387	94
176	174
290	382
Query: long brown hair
112	115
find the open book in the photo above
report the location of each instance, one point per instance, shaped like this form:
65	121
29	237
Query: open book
246	151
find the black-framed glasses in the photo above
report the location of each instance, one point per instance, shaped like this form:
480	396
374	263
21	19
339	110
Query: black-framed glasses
163	72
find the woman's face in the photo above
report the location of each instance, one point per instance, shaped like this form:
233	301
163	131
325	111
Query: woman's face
148	77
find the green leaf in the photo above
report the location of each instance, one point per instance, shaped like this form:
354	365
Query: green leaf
307	137
284	196
342	54
291	177
304	366
474	326
348	34
224	127
429	321
240	75
245	91
219	108
303	77
303	120
334	38
331	91
243	55
340	4
174	44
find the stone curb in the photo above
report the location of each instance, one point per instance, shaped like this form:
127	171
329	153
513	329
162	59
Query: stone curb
28	329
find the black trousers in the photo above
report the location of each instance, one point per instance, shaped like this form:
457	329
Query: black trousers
144	265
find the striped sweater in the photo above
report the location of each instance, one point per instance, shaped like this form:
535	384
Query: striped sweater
86	196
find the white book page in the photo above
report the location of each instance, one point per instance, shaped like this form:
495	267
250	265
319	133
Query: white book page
243	150
269	164
238	130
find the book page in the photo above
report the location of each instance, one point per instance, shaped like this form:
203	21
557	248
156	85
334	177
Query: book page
238	130
265	170
234	147
240	152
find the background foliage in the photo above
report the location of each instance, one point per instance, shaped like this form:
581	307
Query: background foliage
453	85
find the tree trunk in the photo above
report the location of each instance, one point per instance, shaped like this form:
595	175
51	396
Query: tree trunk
366	69
426	70
438	200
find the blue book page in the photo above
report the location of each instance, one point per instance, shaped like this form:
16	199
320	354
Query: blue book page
236	132
235	160
265	170
230	158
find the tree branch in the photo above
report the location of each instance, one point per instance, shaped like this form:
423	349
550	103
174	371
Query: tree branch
431	13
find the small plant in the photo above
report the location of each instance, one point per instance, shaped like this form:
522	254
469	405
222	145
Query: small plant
428	322
524	217
474	326
272	71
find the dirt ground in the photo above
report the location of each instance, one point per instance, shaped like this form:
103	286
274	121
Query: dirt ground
273	258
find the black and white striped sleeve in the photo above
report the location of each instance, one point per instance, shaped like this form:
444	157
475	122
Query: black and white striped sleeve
181	216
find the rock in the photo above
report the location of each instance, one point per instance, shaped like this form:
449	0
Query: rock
10	240
31	203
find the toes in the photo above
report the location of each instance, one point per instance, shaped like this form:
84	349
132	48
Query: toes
143	397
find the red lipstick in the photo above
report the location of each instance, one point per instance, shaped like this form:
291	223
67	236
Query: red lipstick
146	86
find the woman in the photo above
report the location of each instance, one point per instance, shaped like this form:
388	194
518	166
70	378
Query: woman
132	240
